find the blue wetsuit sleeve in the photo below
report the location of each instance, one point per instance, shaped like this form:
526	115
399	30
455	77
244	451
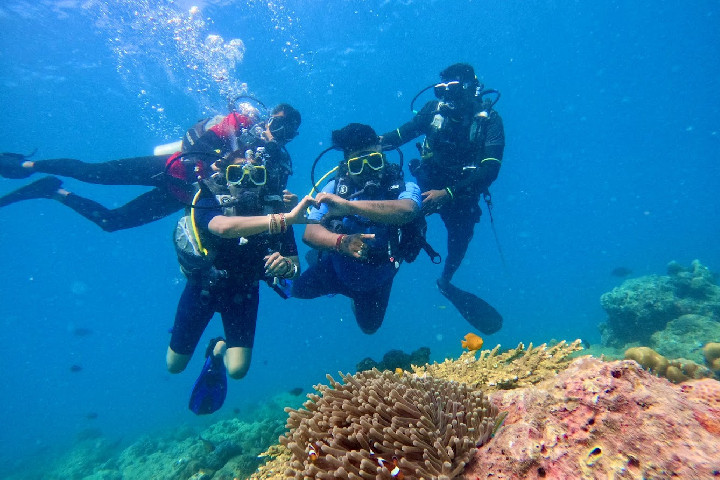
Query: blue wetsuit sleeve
412	191
317	214
205	212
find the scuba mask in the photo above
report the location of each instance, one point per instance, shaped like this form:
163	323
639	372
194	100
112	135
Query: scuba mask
282	129
374	160
236	174
448	90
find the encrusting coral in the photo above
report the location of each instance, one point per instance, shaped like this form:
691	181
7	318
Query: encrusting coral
711	351
515	368
677	370
376	422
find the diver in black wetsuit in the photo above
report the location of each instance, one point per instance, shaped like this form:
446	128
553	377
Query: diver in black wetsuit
238	218
461	156
173	177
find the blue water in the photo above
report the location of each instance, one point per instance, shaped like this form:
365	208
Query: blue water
613	159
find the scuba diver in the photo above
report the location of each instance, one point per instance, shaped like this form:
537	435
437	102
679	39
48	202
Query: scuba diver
173	177
236	234
360	213
460	157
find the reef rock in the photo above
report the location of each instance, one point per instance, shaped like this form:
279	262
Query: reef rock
642	306
685	336
604	420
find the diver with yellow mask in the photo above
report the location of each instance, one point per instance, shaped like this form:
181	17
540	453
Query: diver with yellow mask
359	212
240	232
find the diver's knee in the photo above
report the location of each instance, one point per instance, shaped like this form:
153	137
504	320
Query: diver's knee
369	328
237	361
236	372
176	362
176	367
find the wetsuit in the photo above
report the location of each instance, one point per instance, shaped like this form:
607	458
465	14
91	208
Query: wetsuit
235	293
369	283
463	152
173	177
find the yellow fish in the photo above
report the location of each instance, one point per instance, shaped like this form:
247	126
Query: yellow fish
472	342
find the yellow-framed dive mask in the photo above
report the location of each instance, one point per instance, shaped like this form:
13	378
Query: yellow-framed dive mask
237	173
374	160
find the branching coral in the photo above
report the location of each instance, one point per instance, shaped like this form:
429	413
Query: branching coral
515	368
374	422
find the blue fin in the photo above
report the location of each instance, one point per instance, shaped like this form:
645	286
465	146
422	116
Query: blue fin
210	389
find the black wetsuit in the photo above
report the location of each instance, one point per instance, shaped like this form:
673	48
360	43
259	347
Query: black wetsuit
171	177
455	140
149	171
236	295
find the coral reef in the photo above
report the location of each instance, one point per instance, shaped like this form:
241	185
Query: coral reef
642	306
604	420
225	450
676	370
375	422
711	353
515	368
685	336
395	359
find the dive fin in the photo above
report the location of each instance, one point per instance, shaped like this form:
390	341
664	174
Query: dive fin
474	309
210	389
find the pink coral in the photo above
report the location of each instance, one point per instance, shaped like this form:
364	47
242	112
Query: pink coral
600	420
707	392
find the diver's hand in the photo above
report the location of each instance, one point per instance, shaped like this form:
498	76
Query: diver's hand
297	214
290	200
355	245
433	200
337	206
278	266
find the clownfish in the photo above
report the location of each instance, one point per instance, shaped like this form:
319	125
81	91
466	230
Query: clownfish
313	452
393	468
472	342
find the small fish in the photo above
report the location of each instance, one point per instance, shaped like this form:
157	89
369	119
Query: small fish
207	444
91	415
81	331
621	272
76	368
392	467
295	392
313	452
472	342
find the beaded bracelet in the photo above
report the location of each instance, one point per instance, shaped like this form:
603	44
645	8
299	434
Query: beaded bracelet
338	242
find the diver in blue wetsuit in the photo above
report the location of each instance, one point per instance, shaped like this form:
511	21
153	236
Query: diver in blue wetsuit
239	235
360	212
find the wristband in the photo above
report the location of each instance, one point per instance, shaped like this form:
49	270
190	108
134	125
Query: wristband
339	241
447	189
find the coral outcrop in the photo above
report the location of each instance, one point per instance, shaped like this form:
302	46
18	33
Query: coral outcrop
514	368
394	359
604	420
676	370
685	336
642	306
711	352
380	425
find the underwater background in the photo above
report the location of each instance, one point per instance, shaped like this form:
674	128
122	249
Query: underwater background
612	122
